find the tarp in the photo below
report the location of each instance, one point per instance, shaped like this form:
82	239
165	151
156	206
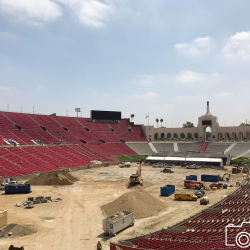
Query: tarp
157	158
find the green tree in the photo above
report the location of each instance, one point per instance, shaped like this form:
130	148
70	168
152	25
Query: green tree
157	120
132	117
208	135
182	135
244	124
188	125
161	121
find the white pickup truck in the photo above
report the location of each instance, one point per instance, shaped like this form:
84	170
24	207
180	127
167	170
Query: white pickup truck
125	165
158	165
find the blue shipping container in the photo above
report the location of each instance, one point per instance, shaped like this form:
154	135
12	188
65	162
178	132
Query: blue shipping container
167	190
18	189
191	178
210	178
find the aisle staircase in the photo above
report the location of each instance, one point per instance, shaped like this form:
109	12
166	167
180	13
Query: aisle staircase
203	147
176	149
152	147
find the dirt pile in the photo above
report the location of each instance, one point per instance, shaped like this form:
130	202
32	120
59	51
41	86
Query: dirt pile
20	230
117	217
55	178
140	202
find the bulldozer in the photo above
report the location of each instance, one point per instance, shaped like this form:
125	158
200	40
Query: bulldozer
167	170
136	178
225	177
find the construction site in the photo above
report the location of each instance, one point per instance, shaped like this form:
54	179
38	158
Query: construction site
82	183
96	193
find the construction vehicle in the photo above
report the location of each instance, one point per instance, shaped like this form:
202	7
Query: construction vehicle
224	178
193	184
167	170
236	170
136	178
125	165
204	200
158	165
186	197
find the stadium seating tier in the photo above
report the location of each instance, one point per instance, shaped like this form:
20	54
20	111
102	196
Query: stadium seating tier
34	143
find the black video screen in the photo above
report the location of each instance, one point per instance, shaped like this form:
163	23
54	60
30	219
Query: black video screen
105	115
207	122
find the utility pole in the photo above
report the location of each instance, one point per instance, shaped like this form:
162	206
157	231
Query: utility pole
33	109
8	107
21	109
66	112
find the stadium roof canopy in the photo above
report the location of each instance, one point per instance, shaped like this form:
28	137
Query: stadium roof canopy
204	161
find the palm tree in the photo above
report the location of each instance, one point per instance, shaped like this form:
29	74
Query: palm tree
157	120
132	116
161	121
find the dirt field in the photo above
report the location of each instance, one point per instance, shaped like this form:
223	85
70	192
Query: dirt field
75	222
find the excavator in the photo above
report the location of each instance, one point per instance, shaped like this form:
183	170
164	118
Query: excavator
225	177
136	178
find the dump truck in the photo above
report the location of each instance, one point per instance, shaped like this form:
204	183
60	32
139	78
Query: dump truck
136	178
117	222
193	184
204	200
186	197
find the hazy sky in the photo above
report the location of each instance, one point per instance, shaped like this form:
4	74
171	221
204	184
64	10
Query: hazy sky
165	57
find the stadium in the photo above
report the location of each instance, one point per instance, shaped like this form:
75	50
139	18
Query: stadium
40	150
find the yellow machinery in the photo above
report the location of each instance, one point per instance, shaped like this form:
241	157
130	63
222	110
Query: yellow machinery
136	178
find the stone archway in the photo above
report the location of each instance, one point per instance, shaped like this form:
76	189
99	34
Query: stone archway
227	136
220	136
196	136
182	135
207	133
189	135
169	135
247	136
240	137
156	136
233	137
162	136
176	135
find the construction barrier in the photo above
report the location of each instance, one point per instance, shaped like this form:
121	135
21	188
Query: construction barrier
167	190
191	178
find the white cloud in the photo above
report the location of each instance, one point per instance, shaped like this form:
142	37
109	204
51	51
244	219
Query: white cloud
197	47
187	76
237	46
224	94
31	11
91	13
148	95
